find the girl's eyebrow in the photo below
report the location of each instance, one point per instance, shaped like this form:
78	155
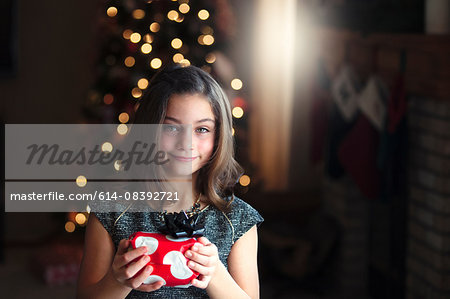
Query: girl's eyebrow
199	121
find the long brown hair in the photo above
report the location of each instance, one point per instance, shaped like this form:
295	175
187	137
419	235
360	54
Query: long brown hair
217	178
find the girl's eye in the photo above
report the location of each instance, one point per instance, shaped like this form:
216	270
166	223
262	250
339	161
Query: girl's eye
202	130
170	129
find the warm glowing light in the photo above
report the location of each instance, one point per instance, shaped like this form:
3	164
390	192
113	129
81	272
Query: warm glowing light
172	15
127	33
236	84
138	14
80	218
210	58
178	57
232	131
207	30
244	180
146	48
184	8
108	99
148	38
81	181
111	11
142	83
124	117
129	61
136	92
179	19
208	39
237	112
200	39
117	165
154	27
203	14
156	63
107	147
122	129
88	209
69	227
135	37
176	43
185	62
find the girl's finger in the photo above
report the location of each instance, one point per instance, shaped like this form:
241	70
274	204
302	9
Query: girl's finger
137	281
129	256
208	250
199	268
150	287
204	240
201	283
204	260
134	268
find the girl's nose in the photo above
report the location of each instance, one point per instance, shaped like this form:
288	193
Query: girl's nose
184	141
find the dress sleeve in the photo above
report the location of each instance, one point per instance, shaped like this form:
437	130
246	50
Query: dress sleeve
243	217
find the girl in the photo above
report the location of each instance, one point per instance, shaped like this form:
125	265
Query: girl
226	256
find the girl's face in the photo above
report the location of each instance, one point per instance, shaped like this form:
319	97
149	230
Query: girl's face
188	133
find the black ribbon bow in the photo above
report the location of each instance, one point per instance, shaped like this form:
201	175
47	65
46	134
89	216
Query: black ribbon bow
180	225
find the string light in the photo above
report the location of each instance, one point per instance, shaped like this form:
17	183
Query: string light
148	38
200	39
176	43
208	39
108	99
236	84
244	180
129	61
179	19
178	57
111	11
127	33
146	48
80	218
156	63
135	37
136	92
185	62
117	165
172	15
81	181
69	227
122	129
142	83
210	58
154	27
184	8
237	112
124	117
138	14
203	14
107	147
232	131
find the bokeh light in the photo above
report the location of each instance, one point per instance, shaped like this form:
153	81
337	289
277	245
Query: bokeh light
237	112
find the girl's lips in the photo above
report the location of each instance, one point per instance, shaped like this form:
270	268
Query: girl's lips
183	159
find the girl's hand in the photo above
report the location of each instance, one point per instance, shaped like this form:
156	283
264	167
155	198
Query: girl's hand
204	259
127	264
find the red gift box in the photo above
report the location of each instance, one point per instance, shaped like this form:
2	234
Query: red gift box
166	257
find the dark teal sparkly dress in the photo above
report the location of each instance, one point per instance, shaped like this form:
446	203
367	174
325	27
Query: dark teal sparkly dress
222	229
